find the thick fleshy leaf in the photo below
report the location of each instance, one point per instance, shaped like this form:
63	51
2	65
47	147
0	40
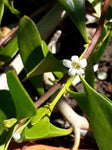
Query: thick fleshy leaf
55	131
81	99
23	103
7	127
48	64
5	138
34	52
1	9
90	73
37	131
44	129
8	51
7	108
59	75
41	128
38	83
41	112
99	110
76	10
29	41
97	5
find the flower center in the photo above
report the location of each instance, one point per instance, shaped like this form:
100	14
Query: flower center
75	65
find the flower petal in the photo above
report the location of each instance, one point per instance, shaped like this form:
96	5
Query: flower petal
76	80
16	136
67	63
80	71
72	72
75	58
83	63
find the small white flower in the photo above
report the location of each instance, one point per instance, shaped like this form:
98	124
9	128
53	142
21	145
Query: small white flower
16	136
75	65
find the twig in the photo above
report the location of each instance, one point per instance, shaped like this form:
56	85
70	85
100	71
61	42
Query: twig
52	90
98	30
10	35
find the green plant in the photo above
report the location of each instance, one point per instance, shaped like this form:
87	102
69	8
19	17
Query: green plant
22	119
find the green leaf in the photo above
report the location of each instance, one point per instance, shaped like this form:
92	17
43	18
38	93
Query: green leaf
37	131
9	50
41	128
2	128
5	138
7	107
9	122
55	131
81	99
100	112
90	73
76	10
38	83
48	64
23	103
97	5
11	7
29	41
41	112
35	54
38	80
1	10
59	75
44	129
30	45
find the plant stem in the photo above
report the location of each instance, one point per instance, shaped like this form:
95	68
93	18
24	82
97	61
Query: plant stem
62	91
10	35
52	90
98	30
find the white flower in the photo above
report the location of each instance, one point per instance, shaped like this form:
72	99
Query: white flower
75	65
17	137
